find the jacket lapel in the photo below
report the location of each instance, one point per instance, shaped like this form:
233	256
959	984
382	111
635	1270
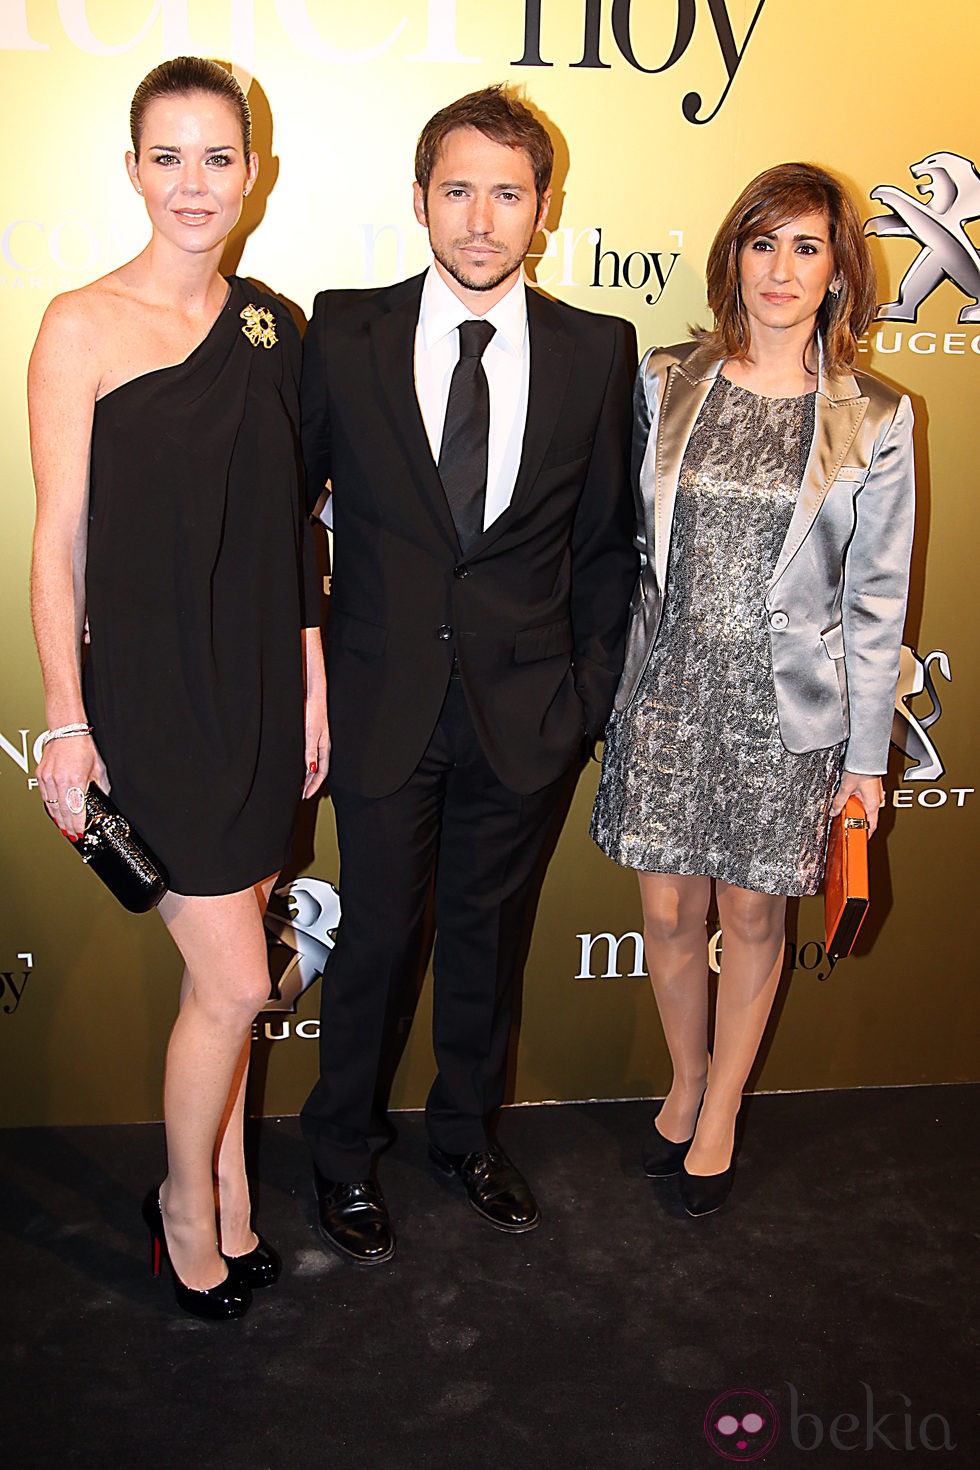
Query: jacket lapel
838	415
688	385
393	343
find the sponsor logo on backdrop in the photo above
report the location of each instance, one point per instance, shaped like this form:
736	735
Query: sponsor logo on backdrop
632	270
590	257
949	199
609	39
608	956
53	254
24	755
917	711
13	983
742	1424
301	926
909	730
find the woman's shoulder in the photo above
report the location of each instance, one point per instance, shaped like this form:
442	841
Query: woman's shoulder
82	308
658	360
76	328
658	363
882	394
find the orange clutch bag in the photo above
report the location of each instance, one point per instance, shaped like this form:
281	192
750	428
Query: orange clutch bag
845	883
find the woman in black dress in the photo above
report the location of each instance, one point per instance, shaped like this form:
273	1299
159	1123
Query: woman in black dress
163	404
774	487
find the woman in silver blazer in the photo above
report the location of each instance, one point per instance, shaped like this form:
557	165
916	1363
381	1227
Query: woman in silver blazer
774	490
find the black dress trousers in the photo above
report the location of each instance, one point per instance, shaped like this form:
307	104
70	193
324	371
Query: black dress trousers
452	824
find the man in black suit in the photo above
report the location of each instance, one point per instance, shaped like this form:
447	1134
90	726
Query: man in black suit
476	437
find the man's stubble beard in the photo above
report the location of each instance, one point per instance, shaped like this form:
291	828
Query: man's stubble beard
481	283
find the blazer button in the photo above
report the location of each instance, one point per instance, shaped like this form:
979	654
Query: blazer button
444	632
779	621
461	571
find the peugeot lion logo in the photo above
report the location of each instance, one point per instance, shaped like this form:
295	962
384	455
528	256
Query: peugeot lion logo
909	730
951	196
302	916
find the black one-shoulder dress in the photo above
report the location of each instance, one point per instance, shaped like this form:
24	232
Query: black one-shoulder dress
199	577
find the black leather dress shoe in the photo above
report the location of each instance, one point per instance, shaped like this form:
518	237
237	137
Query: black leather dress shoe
494	1188
353	1219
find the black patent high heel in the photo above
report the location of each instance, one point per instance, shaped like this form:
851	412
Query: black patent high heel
258	1267
230	1298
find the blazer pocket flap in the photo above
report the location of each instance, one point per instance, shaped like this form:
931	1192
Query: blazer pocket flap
852	472
567	453
356	634
551	641
833	641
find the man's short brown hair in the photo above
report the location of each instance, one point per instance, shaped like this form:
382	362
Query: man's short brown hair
499	115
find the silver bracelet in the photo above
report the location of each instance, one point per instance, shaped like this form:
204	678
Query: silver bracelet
64	732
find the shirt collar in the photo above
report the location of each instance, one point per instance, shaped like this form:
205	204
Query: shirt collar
442	311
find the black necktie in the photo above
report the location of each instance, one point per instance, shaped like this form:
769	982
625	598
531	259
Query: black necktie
466	434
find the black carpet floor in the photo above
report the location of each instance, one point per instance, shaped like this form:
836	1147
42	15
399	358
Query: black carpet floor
838	1284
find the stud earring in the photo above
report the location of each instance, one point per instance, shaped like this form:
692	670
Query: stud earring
139	188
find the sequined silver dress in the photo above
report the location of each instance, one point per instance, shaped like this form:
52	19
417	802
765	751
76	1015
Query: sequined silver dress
695	778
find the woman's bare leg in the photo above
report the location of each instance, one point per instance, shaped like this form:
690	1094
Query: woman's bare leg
223	944
753	927
235	1234
232	1196
675	942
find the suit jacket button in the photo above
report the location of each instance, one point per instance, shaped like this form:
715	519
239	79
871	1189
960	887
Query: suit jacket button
461	571
444	632
779	621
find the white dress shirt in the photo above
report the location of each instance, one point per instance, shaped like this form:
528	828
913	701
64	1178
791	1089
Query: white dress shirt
507	363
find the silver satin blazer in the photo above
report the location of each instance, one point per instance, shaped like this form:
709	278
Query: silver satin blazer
835	603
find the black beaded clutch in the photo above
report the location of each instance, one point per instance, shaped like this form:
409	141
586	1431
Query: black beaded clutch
118	854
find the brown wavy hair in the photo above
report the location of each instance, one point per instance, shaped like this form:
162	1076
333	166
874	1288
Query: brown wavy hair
499	115
181	76
771	200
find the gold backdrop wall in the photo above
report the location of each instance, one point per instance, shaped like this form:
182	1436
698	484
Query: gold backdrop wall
661	112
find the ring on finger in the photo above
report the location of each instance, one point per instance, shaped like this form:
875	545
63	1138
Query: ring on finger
75	800
51	801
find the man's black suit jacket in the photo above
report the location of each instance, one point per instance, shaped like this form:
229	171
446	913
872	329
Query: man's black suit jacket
536	612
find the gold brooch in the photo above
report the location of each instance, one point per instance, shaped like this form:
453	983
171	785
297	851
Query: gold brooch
260	326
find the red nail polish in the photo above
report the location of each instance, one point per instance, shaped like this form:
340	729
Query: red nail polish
312	768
